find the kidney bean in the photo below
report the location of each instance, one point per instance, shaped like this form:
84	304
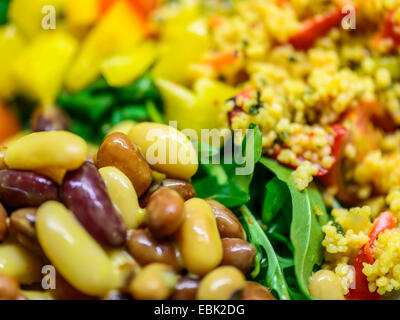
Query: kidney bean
228	224
117	150
145	249
49	118
166	149
20	189
255	291
9	288
85	194
22	226
164	212
183	187
74	253
239	253
3	223
221	284
186	288
155	282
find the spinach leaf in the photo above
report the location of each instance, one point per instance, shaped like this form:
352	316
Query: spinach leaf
305	232
274	278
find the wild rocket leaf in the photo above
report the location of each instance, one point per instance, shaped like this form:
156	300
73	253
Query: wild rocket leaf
274	277
276	196
305	231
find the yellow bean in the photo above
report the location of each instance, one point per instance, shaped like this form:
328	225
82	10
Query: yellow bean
123	196
55	149
198	238
123	127
37	295
74	253
20	263
156	281
124	262
166	149
55	174
325	285
221	284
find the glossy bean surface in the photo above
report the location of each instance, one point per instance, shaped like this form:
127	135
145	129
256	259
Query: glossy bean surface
20	189
49	118
239	253
22	227
117	150
73	252
186	288
85	194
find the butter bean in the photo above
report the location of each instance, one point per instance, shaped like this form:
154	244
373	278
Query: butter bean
166	149
155	282
3	223
183	187
118	151
325	285
186	289
164	212
56	149
9	288
228	224
22	227
221	284
239	253
123	196
49	118
255	291
200	243
74	253
85	194
145	249
20	263
20	189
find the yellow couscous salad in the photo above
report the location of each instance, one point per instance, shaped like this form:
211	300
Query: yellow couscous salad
200	149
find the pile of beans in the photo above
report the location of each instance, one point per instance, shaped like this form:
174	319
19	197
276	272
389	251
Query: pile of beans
114	225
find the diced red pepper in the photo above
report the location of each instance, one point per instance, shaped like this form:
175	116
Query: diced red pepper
316	27
245	94
385	221
220	60
9	123
389	33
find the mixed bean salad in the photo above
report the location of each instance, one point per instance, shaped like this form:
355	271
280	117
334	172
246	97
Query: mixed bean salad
199	149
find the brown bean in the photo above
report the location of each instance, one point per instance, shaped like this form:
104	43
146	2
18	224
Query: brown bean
3	223
186	289
255	291
164	212
49	118
9	288
145	249
183	187
22	226
239	253
228	224
85	194
119	151
20	189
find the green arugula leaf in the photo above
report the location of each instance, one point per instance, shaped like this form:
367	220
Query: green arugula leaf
274	278
277	194
305	232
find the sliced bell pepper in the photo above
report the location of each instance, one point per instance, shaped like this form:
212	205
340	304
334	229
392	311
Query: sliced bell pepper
40	69
316	27
122	70
82	13
118	32
143	7
388	36
11	44
385	221
9	124
28	15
